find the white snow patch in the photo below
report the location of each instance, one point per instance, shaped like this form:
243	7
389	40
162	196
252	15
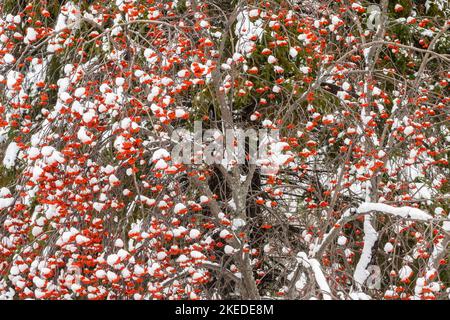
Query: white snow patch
10	155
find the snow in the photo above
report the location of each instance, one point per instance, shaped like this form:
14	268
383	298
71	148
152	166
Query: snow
98	206
304	70
108	138
10	157
381	154
65	97
342	240
408	130
111	276
398	7
301	282
110	98
431	274
138	270
346	86
182	259
253	13
161	164
112	259
376	91
321	281
388	247
183	73
224	233
271	59
38	282
161	255
405	272
197	254
405	212
359	296
229	250
160	154
8	58
12	78
335	19
151	56
446	225
122	254
166	81
83	135
373	21
179	208
113	179
118	243
47	151
180	113
194	234
80	239
6	198
31	35
245	30
80	92
89	116
276	89
293	52
238	223
100	274
55	157
370	237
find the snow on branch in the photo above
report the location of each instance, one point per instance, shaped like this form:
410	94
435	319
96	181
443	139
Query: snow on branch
403	212
370	238
371	235
314	265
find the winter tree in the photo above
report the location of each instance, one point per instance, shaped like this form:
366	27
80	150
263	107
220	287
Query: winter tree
351	200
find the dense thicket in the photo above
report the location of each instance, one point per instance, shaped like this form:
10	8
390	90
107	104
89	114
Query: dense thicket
352	201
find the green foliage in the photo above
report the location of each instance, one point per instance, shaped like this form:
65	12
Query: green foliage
7	176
